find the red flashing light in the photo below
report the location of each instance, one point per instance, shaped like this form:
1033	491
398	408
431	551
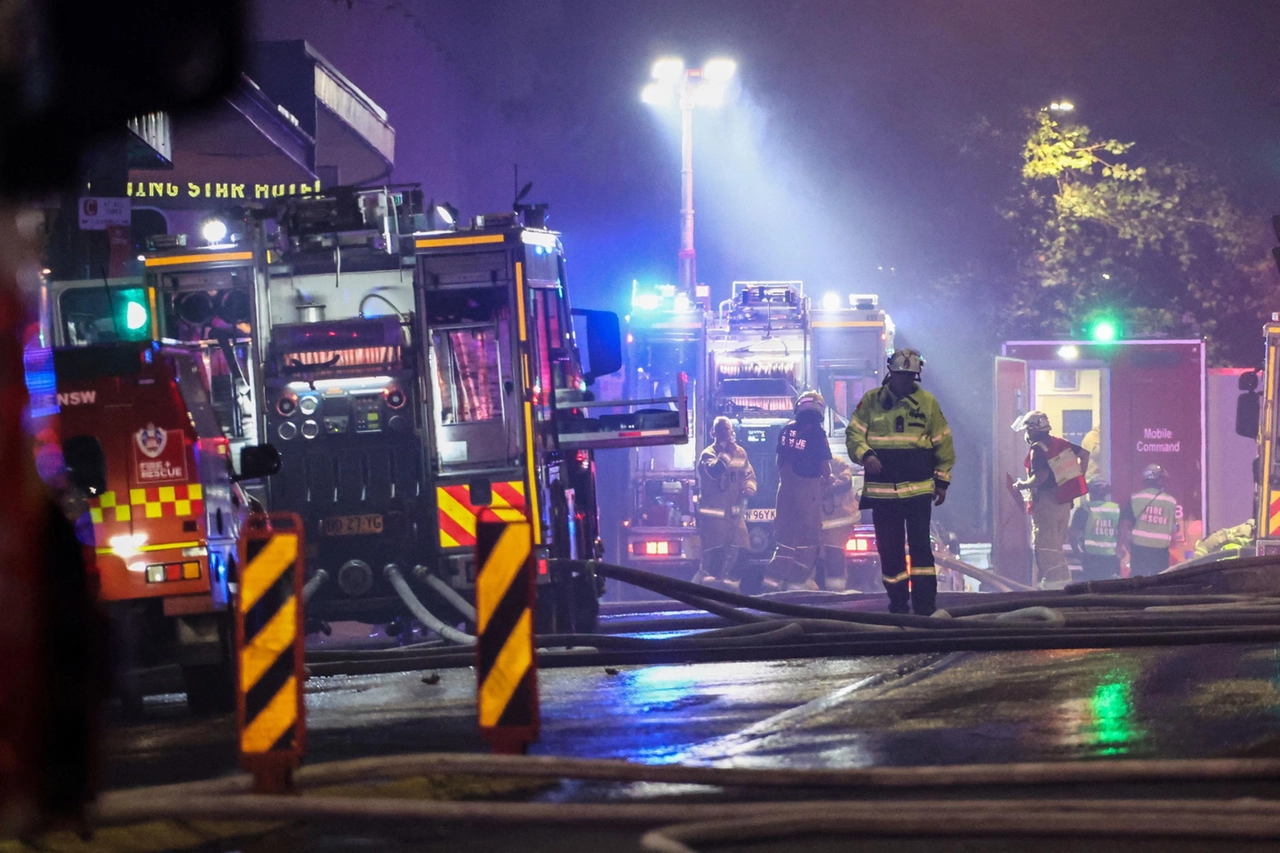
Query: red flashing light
542	566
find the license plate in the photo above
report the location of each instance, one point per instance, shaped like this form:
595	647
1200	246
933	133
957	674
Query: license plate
760	514
352	525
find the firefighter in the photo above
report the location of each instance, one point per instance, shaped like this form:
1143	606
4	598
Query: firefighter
804	472
1055	476
902	439
1231	539
1150	518
726	481
1095	534
839	515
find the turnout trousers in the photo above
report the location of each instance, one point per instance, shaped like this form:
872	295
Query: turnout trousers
1050	523
797	530
899	524
1147	561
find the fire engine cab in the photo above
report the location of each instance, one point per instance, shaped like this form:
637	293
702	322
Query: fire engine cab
157	501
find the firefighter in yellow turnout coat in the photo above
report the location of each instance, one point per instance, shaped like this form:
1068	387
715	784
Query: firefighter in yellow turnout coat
902	439
726	481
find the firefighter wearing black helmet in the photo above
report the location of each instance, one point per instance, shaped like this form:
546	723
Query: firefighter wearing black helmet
804	472
1150	517
902	439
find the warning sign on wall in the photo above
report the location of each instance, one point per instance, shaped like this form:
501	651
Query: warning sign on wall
160	455
96	213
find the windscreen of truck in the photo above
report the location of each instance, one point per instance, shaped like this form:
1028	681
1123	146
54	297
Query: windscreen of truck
98	315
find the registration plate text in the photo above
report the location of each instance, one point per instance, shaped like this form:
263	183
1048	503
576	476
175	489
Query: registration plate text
352	525
761	514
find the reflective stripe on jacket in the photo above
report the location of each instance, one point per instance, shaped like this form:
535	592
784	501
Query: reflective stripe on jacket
910	437
1101	530
1155	515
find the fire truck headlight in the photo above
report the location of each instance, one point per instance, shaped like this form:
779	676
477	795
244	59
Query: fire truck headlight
214	231
127	545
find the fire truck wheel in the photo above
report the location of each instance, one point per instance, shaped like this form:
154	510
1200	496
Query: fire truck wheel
210	688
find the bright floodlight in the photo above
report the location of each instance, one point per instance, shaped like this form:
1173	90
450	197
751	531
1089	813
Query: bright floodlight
669	69
1062	106
445	216
719	70
214	231
830	302
709	95
1068	352
657	94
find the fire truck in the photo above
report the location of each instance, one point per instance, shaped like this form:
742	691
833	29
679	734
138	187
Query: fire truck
748	360
156	499
409	377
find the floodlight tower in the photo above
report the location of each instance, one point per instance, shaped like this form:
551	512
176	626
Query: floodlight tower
690	88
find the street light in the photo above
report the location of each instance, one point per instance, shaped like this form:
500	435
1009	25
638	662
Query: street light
1061	107
693	87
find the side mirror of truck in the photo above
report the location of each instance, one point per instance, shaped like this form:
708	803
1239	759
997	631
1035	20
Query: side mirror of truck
86	463
259	460
1248	414
604	343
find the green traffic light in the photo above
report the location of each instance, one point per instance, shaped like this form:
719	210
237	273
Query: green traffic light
1104	331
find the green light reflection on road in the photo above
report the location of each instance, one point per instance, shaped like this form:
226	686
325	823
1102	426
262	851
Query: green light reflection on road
1112	710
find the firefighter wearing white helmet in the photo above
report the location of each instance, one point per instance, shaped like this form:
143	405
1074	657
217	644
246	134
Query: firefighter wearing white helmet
1055	477
804	472
900	436
1150	518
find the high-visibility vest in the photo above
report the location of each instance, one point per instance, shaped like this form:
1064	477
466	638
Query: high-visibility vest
1155	514
1066	470
1102	529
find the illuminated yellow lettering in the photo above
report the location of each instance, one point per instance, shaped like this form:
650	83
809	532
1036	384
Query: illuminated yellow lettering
237	190
171	190
317	185
193	190
208	193
277	190
128	189
220	191
293	189
155	188
262	190
305	189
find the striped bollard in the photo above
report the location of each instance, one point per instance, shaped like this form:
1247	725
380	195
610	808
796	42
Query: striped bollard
269	651
506	669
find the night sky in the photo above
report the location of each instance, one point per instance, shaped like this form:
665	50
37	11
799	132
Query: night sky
856	141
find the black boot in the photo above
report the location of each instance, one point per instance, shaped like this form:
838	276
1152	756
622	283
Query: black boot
924	594
898	597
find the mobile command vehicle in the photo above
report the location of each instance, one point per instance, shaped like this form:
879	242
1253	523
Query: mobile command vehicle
410	378
157	501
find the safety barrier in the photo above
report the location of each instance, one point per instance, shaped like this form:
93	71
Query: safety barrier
506	670
270	649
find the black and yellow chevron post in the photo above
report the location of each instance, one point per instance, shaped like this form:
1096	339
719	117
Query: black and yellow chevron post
506	670
269	646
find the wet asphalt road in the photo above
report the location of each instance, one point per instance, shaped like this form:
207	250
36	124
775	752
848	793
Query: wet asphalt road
1160	702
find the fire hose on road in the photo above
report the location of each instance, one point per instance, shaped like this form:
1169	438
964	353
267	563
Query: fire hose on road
770	627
